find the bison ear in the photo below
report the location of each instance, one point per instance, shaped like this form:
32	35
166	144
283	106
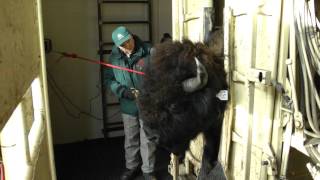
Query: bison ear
195	83
215	42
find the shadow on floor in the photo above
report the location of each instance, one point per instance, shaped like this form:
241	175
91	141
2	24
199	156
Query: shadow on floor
100	160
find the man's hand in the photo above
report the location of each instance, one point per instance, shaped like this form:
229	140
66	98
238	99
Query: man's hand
131	93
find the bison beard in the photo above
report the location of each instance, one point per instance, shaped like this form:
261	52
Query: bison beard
173	116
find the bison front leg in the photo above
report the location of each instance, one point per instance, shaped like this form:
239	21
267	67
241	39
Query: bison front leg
211	169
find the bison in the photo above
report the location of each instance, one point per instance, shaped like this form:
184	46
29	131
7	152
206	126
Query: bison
180	98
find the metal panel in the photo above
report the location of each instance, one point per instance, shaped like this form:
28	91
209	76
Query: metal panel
188	22
19	53
256	27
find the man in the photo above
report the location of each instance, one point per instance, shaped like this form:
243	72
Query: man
130	52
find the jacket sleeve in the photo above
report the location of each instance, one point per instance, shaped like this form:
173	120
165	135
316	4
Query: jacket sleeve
110	81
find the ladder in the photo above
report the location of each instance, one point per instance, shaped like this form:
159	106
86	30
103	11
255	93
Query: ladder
106	45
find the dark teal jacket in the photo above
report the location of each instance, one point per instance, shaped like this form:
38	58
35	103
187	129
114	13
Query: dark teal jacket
119	80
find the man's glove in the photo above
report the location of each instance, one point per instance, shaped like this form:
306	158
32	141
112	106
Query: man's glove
130	93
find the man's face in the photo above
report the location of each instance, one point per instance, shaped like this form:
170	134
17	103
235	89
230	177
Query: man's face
128	46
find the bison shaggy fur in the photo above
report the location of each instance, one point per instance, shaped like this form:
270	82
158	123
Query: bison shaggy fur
174	117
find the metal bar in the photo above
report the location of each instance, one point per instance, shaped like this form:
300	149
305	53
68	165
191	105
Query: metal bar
110	129
228	20
111	43
113	104
44	85
104	51
107	44
248	143
284	139
250	93
150	20
125	22
115	123
120	2
286	148
103	89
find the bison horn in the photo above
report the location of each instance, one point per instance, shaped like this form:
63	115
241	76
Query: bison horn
198	82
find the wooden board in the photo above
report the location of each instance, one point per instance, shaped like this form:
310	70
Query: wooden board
19	52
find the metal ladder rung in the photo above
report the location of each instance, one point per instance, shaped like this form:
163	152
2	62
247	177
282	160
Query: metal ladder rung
125	22
107	44
111	43
118	2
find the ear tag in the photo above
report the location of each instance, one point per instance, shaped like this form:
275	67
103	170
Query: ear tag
222	95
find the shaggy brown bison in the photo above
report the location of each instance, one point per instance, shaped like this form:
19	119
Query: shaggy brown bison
180	98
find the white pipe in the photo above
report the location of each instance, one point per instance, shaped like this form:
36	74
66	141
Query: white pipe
308	97
286	147
303	57
45	93
292	47
307	74
293	89
312	134
288	7
314	54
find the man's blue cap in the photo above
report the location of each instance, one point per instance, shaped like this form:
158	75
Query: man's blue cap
120	35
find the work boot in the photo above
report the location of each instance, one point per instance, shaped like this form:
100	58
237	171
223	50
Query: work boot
129	174
149	176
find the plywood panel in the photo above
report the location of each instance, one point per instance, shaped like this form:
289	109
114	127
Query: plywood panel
19	52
